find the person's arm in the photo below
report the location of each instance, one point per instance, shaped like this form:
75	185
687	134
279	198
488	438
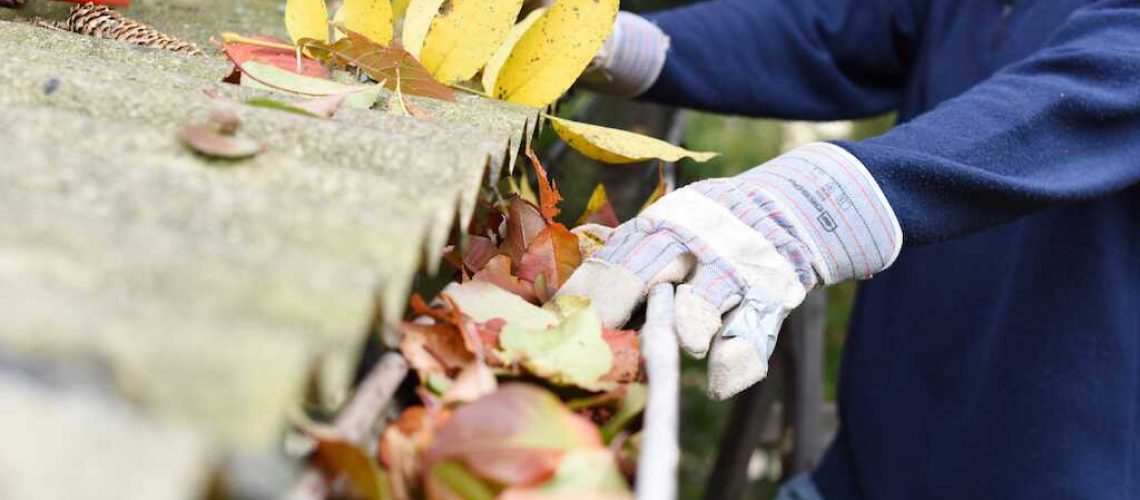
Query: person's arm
1061	126
799	59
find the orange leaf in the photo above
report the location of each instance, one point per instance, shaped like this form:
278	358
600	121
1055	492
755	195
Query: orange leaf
524	223
434	349
393	66
548	195
403	442
515	436
627	356
599	210
553	255
240	53
498	273
335	456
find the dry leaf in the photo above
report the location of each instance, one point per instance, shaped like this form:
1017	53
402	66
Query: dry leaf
626	349
393	66
548	195
591	238
306	19
264	76
399	8
572	352
370	18
554	255
583	474
553	52
317	107
272	51
499	58
515	436
610	145
524	223
599	210
484	302
498	272
335	457
460	35
451	480
480	251
473	382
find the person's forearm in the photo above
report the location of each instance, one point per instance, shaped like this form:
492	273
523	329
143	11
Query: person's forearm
1059	127
802	59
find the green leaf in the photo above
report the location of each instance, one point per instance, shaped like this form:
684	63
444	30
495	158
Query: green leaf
268	77
636	397
570	353
584	472
484	302
280	106
458	481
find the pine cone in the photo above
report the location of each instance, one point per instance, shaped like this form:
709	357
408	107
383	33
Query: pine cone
101	21
13	4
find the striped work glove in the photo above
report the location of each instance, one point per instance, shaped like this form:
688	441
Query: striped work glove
745	251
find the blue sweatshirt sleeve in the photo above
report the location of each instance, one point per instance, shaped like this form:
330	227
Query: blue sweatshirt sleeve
796	59
1061	126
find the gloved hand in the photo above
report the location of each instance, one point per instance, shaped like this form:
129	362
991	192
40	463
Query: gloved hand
750	248
630	60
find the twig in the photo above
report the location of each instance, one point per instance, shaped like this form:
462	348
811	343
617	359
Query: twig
660	452
357	420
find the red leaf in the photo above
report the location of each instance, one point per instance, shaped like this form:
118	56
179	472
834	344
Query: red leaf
627	356
480	251
553	255
515	436
498	273
524	223
240	53
599	210
548	195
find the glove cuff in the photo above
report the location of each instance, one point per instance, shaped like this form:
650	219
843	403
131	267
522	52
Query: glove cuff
834	207
631	59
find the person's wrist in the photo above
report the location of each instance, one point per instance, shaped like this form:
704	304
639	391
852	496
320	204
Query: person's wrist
631	59
827	200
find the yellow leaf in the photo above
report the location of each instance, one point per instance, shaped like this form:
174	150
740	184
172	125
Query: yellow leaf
610	145
552	54
464	34
417	23
399	8
371	18
495	64
307	19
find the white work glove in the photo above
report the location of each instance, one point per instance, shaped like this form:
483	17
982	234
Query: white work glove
745	251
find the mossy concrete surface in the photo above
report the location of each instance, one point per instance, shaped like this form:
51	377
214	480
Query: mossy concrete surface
217	294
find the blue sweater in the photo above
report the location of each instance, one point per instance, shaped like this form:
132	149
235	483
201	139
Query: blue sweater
1000	356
